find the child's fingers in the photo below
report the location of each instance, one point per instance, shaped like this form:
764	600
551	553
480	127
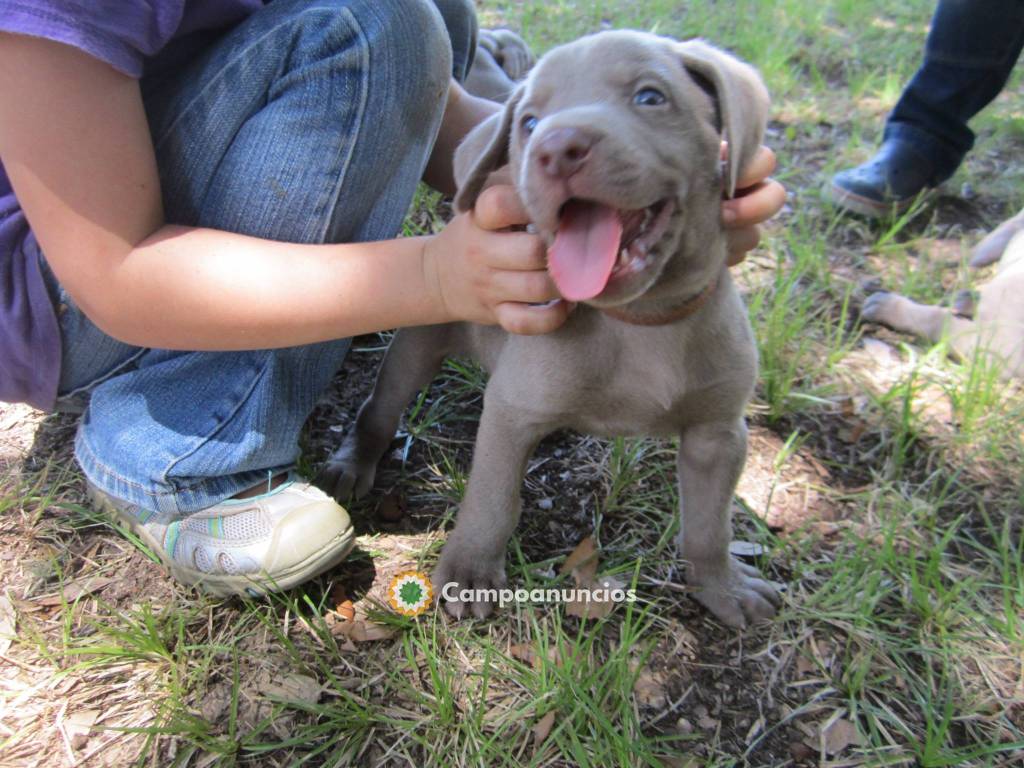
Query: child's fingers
518	251
533	287
757	204
530	320
499	207
740	242
760	167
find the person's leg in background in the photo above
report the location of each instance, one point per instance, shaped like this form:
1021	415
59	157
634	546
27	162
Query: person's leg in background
971	50
309	122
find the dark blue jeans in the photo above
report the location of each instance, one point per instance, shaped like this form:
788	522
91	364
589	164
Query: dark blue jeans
310	122
970	53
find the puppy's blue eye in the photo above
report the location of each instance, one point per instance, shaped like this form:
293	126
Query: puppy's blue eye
649	97
529	122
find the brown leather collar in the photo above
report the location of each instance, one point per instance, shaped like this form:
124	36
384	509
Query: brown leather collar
681	312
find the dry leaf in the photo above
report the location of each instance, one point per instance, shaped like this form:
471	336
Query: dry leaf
368	631
593	609
679	761
840	734
295	687
805	666
78	725
8	620
338	594
650	690
391	508
528	654
76	588
801	753
542	729
346	610
582	562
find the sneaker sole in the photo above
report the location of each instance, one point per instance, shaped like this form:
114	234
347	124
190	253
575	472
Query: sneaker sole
865	206
231	585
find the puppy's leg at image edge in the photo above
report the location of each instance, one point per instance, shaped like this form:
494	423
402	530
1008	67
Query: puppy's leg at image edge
474	555
923	320
710	460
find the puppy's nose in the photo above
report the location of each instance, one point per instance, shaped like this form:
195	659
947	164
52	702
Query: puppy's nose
561	152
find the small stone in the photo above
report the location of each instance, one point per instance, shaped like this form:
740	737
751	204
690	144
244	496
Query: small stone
684	726
545	504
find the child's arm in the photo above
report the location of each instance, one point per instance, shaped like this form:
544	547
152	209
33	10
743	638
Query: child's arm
76	146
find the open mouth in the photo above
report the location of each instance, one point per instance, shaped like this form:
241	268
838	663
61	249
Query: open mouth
596	243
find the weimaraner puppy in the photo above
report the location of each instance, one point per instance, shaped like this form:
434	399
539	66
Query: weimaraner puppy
613	142
502	58
995	327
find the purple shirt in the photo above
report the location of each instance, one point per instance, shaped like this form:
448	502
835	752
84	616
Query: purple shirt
123	33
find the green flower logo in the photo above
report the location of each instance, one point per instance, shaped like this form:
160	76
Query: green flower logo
410	593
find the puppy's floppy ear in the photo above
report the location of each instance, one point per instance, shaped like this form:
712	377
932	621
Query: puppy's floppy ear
740	97
484	150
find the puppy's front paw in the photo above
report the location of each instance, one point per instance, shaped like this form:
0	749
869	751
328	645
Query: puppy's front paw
736	594
350	470
463	568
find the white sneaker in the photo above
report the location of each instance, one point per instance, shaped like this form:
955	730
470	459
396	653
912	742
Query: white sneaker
252	546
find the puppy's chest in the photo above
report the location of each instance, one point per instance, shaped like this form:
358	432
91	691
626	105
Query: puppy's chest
607	384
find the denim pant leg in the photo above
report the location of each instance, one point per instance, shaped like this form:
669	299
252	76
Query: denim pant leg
463	30
971	50
312	121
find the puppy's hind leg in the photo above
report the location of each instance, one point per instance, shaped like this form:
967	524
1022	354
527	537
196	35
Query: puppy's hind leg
411	362
710	460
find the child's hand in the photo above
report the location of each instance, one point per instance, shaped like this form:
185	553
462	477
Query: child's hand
486	275
757	199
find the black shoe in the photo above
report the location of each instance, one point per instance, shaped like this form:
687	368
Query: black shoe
888	183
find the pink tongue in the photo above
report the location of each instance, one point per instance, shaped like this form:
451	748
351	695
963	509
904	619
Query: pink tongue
582	257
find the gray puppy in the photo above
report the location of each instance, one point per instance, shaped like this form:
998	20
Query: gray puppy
613	143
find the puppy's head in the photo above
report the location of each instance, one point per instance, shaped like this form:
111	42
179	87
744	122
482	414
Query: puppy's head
614	145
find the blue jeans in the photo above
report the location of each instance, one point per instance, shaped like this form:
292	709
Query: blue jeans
312	121
971	50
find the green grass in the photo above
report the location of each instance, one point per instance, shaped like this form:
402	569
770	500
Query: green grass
904	606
